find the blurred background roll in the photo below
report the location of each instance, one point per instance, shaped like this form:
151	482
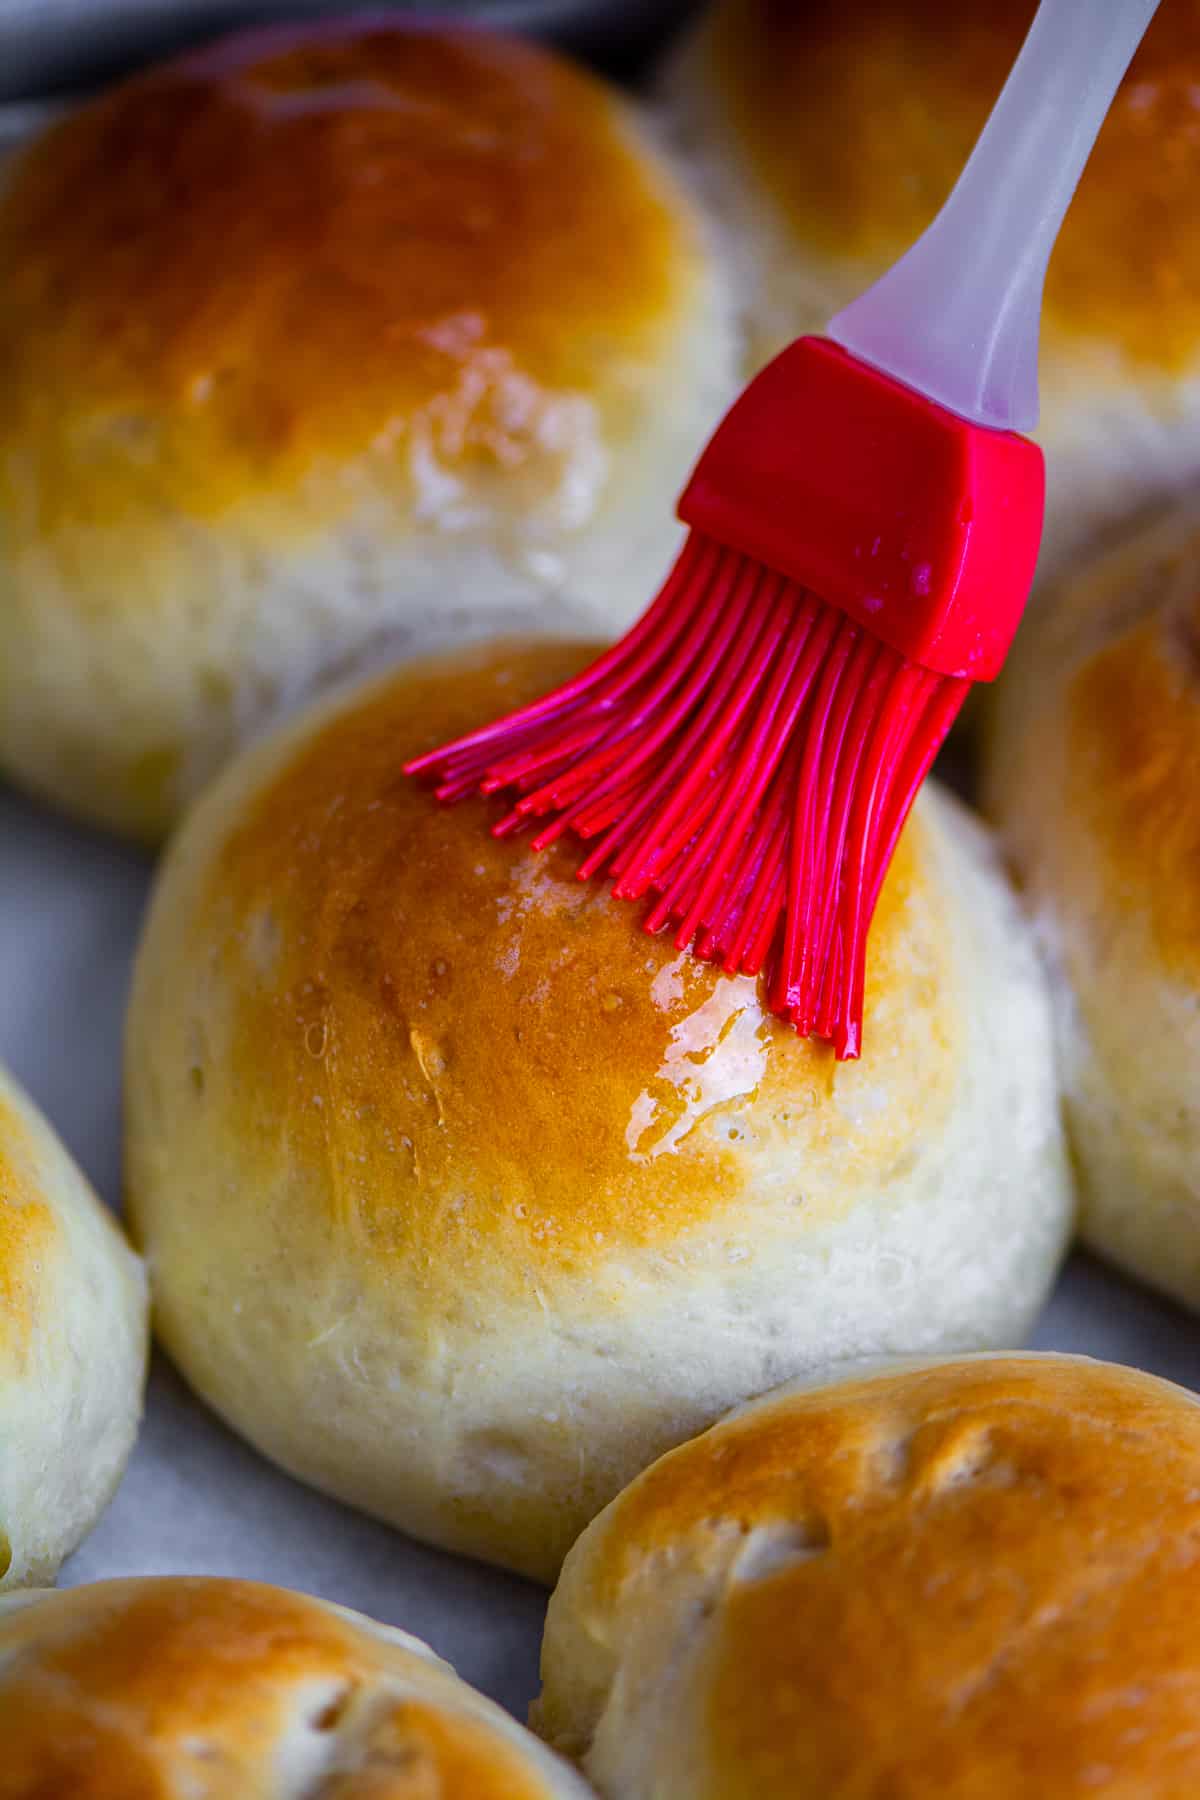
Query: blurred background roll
976	1580
827	133
73	1331
1092	768
201	1689
325	342
464	1198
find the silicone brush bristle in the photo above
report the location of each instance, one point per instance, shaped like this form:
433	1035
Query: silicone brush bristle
744	760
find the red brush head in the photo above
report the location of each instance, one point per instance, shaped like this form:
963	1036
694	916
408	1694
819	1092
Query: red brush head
746	756
918	524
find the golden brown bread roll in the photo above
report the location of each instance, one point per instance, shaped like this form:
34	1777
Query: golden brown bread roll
827	136
73	1341
329	338
976	1579
1092	771
189	1689
464	1198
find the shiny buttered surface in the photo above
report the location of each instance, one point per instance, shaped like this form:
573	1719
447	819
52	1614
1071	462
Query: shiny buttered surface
465	1198
326	337
1093	776
827	137
73	1331
976	1579
192	1689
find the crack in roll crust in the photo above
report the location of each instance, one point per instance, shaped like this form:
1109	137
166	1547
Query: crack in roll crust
985	1582
508	1195
205	1689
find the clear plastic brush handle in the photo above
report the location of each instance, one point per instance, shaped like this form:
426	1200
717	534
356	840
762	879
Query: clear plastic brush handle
958	316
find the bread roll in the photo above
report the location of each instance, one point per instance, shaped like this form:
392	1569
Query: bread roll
189	1689
335	338
1092	772
72	1348
465	1198
828	136
975	1580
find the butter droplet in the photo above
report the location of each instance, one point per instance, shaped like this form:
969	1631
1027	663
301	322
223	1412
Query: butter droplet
667	986
714	1056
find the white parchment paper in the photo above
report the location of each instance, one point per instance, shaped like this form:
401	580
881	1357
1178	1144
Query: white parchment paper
197	1500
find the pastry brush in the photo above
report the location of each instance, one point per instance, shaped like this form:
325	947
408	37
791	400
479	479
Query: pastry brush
864	526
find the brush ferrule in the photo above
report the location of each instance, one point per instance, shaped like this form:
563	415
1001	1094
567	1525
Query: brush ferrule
918	524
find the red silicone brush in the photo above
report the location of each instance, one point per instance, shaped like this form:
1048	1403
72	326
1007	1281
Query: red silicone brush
864	528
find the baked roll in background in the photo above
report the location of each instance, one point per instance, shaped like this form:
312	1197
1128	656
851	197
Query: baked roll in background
464	1198
1092	773
826	135
73	1331
976	1579
328	341
186	1687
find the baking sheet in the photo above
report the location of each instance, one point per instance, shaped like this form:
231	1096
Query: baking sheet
54	46
195	1499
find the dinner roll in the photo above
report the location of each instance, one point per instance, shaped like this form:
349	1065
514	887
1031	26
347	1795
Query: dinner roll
828	136
330	339
975	1579
1093	774
72	1348
464	1198
190	1689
